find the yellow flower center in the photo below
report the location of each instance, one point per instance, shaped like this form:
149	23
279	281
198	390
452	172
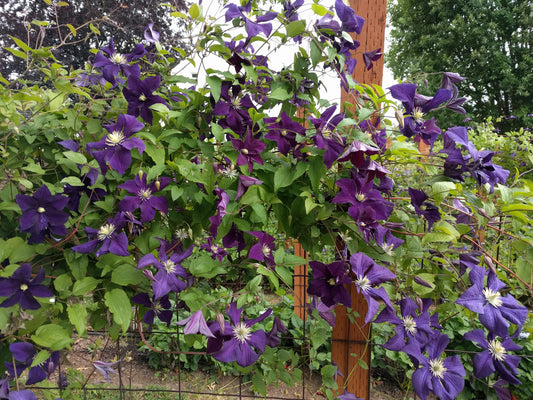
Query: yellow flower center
331	281
492	297
144	194
244	151
23	287
105	231
241	332
114	138
142	97
360	197
418	115
496	350
40	210
284	132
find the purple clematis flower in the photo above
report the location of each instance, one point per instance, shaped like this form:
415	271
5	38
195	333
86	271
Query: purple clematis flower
495	311
348	396
74	192
116	146
160	308
144	197
449	79
216	219
495	358
261	25
325	312
263	249
234	340
151	35
234	238
21	289
386	240
109	238
284	132
244	183
42	214
443	377
217	252
351	22
370	56
24	353
424	208
416	107
326	137
22	395
105	368
169	271
195	324
233	107
117	62
139	94
249	150
328	283
368	274
291	14
414	326
273	338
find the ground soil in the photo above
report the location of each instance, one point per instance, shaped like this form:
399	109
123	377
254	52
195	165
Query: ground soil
135	373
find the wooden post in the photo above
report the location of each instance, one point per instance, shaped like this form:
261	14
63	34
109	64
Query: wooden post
300	283
350	341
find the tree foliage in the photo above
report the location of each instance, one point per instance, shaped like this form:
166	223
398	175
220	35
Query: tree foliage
71	30
487	41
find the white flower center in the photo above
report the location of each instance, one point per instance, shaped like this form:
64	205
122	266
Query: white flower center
114	138
360	197
363	283
236	102
144	194
105	231
409	324
496	350
23	287
244	151
181	234
492	297
118	58
142	97
170	267
40	210
437	368
266	250
241	332
284	132
387	248
418	115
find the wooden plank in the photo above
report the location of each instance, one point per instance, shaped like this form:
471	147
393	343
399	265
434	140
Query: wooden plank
347	338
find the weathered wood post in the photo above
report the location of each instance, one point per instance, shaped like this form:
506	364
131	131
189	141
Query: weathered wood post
350	341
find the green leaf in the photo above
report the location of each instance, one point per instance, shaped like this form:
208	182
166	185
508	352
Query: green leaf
125	275
52	336
40	357
283	177
319	10
218	132
77	315
21	44
259	383
156	153
280	93
295	28
17	53
441	190
194	11
84	286
63	282
10	206
16	249
215	83
316	53
204	266
78	158
119	304
72	29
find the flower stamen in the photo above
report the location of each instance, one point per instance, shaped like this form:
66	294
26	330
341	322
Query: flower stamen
492	297
105	232
242	332
115	138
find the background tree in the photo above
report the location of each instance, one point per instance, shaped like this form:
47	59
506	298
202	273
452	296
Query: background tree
46	23
487	41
